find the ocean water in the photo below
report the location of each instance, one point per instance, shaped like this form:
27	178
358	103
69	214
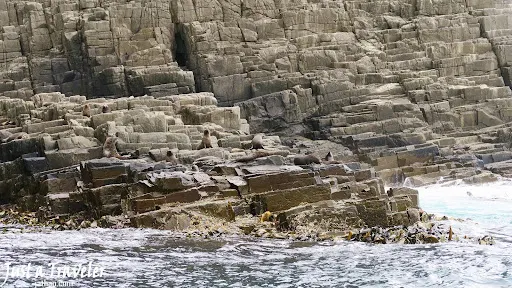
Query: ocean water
150	258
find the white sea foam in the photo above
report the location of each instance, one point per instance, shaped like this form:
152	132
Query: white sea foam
150	258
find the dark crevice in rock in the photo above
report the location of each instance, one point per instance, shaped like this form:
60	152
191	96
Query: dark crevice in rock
180	51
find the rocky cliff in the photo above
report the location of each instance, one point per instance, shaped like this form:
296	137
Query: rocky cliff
356	66
408	90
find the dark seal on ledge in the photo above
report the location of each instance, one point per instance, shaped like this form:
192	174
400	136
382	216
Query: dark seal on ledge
306	160
105	109
206	142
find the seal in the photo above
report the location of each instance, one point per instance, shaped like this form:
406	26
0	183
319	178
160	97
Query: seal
349	235
4	135
253	156
110	149
74	123
257	141
329	157
390	192
135	154
86	110
206	142
69	76
170	157
16	136
267	216
306	160
105	109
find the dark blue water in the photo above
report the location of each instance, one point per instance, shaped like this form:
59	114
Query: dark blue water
149	258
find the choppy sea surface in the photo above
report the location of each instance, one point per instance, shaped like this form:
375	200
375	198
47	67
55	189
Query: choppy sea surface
150	258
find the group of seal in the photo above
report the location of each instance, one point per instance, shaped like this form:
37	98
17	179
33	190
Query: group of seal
86	110
110	150
206	142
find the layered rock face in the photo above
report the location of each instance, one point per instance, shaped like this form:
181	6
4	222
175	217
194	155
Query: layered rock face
53	161
415	90
370	68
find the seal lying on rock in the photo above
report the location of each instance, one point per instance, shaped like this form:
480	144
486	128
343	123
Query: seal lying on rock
105	109
16	136
74	123
253	156
206	142
86	110
4	135
257	141
306	160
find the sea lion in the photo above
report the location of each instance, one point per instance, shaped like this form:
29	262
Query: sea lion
329	157
170	157
69	76
86	110
16	136
390	192
349	235
414	215
206	142
253	156
74	123
257	141
110	149
347	169
135	154
267	217
105	109
4	134
306	160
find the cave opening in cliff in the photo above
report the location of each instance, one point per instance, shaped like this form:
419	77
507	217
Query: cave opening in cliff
180	51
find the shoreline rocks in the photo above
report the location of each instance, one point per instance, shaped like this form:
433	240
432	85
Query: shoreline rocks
430	230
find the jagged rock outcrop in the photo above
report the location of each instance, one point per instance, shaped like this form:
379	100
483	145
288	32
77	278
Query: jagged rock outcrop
156	173
340	68
401	91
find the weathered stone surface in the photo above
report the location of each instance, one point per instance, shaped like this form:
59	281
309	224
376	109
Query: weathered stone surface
408	92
